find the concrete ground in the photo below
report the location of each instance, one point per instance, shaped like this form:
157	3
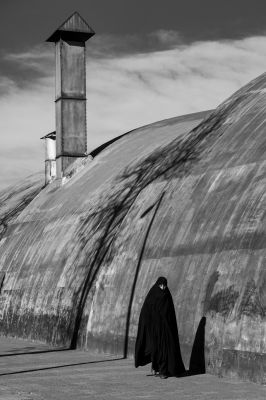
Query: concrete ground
34	371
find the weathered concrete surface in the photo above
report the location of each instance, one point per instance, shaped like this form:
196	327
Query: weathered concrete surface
15	198
80	260
65	375
45	253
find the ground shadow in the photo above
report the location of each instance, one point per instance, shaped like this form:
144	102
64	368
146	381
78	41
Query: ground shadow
60	366
29	350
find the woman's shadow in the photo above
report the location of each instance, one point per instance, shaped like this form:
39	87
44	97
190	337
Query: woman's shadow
197	358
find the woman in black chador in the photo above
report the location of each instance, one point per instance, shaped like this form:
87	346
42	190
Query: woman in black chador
157	339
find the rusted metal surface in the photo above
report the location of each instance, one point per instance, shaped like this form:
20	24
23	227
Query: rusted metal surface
71	131
70	258
70	92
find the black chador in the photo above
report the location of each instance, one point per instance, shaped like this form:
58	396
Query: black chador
157	339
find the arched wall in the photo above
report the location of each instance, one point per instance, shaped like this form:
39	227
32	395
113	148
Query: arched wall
208	239
52	249
71	258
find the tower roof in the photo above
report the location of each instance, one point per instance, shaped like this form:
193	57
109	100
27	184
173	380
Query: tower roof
51	135
74	28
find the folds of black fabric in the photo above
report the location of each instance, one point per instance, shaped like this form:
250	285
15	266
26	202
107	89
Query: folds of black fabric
157	339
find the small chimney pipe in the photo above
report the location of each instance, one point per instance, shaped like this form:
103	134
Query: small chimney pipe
50	157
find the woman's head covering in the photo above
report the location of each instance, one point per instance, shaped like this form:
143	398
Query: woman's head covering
161	281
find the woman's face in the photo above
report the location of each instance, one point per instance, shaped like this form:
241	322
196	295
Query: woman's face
162	286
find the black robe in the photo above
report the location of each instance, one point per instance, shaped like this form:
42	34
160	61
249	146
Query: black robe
157	339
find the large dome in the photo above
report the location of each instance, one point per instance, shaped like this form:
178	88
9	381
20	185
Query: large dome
184	198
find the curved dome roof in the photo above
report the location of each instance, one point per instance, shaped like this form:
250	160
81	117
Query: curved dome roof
183	198
15	198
